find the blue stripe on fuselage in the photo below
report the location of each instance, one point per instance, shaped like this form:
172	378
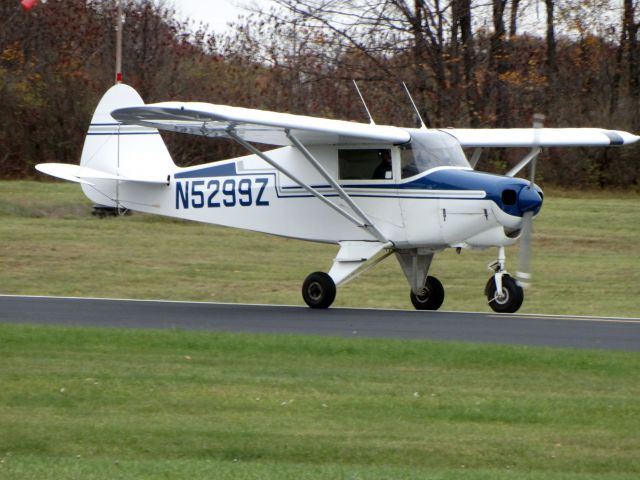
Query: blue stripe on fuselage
443	179
456	179
225	170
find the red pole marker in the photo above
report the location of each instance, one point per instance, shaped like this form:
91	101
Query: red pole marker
28	4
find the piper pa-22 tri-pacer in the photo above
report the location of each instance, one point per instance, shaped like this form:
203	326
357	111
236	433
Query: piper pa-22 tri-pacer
373	190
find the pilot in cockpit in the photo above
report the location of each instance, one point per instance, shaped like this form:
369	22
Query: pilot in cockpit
384	170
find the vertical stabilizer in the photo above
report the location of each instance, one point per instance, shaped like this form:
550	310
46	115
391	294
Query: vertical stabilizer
121	150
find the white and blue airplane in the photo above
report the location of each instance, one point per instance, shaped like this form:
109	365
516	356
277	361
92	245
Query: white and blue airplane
372	190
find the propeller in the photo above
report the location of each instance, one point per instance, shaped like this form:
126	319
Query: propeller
528	199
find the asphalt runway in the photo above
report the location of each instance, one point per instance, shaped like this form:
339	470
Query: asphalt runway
535	330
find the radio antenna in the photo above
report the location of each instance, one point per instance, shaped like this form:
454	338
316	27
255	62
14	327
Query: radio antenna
415	109
364	103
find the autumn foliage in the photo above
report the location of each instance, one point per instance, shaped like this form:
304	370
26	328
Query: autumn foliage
467	65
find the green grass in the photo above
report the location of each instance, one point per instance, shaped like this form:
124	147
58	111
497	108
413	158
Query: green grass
92	403
586	259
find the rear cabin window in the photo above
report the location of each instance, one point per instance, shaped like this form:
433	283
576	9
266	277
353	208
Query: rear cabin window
365	164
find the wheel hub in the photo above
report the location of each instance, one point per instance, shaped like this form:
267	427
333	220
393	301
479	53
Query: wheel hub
315	291
502	297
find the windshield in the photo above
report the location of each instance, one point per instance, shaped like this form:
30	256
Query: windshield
428	150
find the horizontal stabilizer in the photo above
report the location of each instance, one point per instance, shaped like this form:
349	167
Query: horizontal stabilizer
84	175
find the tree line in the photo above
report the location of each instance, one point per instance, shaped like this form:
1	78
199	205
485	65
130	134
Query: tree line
467	64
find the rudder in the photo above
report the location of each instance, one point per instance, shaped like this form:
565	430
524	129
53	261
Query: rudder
127	151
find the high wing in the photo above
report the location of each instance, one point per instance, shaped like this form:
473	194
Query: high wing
541	137
261	126
257	126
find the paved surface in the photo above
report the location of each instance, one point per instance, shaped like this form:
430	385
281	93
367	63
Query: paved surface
541	330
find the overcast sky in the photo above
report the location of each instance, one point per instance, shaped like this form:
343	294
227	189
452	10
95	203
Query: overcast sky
217	13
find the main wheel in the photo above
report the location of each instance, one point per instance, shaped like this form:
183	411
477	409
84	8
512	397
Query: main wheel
510	300
319	290
432	296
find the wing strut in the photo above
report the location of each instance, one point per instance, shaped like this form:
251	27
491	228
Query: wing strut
308	188
368	224
473	161
535	151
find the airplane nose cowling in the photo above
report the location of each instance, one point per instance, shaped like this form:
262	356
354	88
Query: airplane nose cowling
530	200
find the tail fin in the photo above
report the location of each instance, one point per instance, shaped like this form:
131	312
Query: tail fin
128	151
114	153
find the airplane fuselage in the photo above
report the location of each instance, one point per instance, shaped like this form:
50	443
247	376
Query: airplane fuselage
447	206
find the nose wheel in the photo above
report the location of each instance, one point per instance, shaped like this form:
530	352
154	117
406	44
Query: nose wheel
510	297
504	293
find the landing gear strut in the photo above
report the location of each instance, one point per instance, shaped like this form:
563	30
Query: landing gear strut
427	293
502	291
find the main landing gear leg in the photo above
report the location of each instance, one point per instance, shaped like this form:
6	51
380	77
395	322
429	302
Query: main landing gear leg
353	259
427	293
502	291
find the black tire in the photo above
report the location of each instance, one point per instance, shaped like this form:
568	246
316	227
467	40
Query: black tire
513	295
319	290
432	297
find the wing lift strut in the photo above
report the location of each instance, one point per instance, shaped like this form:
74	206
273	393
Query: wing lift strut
354	256
532	155
527	159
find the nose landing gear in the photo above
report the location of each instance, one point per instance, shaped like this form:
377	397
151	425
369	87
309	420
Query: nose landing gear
504	294
506	300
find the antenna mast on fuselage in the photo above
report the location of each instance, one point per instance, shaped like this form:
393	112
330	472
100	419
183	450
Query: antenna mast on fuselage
415	108
364	103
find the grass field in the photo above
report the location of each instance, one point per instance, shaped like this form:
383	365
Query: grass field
97	404
102	404
586	258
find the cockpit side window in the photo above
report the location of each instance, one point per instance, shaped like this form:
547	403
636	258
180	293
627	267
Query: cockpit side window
429	150
365	164
408	165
